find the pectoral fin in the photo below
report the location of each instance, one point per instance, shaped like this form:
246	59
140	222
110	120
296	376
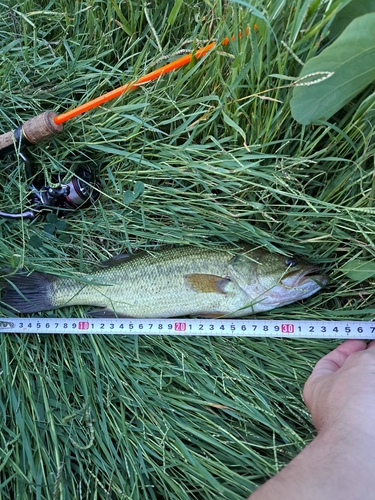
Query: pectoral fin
206	283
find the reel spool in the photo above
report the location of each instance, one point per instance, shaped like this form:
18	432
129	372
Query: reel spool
79	192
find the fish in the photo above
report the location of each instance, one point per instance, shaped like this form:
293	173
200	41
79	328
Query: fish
179	281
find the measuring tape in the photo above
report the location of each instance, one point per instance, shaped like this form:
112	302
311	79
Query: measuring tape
189	327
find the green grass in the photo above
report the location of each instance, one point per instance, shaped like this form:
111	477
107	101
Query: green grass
221	160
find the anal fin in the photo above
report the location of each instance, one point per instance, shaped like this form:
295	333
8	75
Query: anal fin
104	312
208	315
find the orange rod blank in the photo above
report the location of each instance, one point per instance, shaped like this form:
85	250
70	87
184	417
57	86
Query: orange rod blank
182	61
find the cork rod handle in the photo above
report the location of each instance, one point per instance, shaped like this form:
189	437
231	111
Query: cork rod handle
35	130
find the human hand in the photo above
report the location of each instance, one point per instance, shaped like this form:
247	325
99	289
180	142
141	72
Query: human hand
340	392
339	462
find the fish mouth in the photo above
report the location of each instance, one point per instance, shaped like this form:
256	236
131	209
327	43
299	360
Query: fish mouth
311	273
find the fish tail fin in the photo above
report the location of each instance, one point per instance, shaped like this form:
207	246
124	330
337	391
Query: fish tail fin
27	292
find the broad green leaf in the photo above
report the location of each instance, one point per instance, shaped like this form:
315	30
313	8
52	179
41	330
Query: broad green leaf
359	269
49	228
352	60
355	8
138	189
61	225
35	241
52	218
65	238
128	197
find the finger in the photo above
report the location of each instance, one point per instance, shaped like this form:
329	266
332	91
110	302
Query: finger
371	344
336	358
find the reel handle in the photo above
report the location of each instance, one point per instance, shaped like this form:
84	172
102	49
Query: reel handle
35	130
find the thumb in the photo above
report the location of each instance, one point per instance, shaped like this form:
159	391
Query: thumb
317	385
336	358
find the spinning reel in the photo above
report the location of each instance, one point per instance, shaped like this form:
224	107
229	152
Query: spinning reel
80	191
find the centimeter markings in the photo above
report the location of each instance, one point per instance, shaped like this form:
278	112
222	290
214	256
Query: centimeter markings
189	327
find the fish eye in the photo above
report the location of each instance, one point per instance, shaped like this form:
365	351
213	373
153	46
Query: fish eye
291	262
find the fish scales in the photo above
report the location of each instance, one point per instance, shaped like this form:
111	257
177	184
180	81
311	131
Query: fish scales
150	284
174	282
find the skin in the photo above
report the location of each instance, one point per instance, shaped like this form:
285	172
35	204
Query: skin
339	463
174	282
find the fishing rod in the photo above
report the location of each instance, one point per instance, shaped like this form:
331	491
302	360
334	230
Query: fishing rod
48	124
81	189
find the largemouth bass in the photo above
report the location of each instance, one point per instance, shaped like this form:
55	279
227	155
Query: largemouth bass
175	282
